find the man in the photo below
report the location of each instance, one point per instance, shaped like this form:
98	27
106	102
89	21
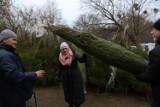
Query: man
16	85
152	74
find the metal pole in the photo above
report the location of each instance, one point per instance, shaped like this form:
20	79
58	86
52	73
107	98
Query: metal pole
35	99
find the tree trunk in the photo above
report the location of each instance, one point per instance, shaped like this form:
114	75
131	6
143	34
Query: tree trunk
108	52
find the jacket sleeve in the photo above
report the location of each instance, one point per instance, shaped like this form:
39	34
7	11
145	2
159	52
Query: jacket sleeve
82	58
13	70
58	73
152	72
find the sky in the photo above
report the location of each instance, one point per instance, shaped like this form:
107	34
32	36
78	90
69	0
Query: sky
70	8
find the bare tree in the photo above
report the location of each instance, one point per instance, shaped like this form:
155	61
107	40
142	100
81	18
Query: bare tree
119	13
49	13
26	18
5	6
87	23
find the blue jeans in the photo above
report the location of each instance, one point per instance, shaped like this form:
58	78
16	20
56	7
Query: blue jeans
155	104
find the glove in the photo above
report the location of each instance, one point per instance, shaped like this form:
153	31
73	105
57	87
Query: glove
57	78
84	56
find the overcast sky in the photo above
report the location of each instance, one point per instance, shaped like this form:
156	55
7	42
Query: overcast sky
70	8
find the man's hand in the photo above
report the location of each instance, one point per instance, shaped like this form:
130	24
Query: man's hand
40	73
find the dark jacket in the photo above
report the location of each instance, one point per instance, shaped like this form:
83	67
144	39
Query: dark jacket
16	84
72	80
152	74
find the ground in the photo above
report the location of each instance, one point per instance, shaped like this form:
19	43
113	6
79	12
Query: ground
53	97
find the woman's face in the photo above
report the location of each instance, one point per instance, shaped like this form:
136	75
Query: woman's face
64	51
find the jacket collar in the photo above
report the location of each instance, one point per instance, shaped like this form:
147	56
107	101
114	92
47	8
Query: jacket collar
7	47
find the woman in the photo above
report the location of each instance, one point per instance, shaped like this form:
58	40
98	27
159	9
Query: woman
71	77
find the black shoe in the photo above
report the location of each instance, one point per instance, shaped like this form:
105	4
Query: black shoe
77	105
70	105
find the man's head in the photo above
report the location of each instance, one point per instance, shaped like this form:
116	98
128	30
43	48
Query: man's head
8	37
155	32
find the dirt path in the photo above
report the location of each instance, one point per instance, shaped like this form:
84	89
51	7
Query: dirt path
53	97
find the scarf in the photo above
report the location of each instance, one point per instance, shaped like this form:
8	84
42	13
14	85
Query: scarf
66	59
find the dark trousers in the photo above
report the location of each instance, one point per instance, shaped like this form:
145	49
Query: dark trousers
155	104
72	105
12	104
7	105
